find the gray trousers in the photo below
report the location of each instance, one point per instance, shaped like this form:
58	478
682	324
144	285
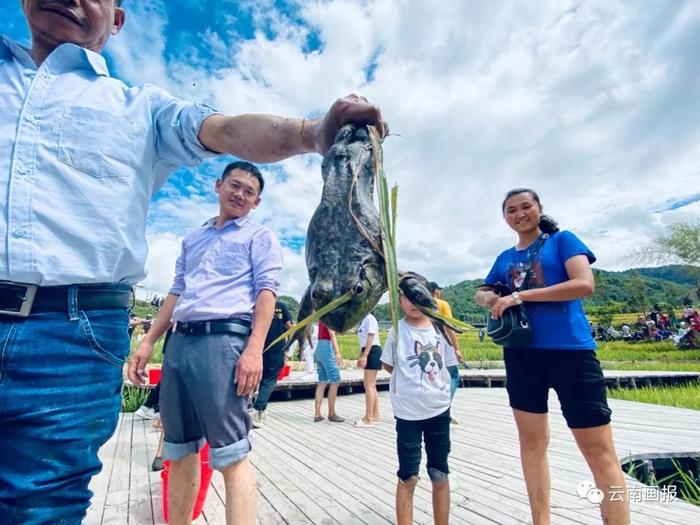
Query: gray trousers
198	399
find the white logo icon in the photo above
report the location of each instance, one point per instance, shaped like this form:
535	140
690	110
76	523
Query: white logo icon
588	490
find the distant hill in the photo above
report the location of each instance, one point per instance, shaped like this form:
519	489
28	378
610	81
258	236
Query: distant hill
630	289
671	284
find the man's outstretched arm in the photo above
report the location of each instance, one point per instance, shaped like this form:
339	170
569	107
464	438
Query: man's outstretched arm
269	138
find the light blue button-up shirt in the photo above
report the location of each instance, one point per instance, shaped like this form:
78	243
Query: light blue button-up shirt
221	271
81	155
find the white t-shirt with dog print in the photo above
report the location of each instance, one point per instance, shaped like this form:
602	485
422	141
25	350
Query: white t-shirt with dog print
420	382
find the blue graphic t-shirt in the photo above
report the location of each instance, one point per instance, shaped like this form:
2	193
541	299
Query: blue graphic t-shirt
556	325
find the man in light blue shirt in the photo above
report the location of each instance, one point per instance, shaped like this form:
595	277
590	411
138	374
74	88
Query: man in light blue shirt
225	286
81	155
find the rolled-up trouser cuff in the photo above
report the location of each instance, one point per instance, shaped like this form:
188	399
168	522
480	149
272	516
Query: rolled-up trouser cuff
437	476
220	458
177	451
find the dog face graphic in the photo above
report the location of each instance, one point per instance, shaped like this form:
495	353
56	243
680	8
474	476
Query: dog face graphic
428	357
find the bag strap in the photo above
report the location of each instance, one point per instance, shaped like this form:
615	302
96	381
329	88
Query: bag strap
531	257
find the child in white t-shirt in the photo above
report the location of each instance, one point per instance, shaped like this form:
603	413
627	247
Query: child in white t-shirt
420	397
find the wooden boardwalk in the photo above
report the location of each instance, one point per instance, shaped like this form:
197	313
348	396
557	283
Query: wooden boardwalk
333	473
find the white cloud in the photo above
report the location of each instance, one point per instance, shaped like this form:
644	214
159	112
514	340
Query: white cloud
592	103
164	249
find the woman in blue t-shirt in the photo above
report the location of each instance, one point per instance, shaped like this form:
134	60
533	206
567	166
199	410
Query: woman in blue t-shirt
561	355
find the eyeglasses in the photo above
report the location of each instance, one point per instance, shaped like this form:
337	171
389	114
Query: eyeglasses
246	191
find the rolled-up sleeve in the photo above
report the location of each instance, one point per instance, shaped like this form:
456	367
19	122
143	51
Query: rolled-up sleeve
177	124
266	257
179	281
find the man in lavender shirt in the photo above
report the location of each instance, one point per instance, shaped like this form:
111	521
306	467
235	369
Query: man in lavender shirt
222	299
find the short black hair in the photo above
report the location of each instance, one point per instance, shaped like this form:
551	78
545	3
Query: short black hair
432	286
252	169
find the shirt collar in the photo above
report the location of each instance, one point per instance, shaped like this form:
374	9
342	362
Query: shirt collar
239	221
64	57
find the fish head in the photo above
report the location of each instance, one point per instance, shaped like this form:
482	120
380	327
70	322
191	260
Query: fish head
415	287
366	282
351	141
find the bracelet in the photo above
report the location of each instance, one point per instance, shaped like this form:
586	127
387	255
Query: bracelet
516	298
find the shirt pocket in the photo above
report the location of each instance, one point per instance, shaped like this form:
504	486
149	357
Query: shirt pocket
98	143
231	258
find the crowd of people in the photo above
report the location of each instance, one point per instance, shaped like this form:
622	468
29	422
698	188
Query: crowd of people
655	326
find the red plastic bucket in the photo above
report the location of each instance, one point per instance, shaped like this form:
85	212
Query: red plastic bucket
205	481
153	376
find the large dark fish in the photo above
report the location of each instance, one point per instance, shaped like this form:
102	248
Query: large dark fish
343	241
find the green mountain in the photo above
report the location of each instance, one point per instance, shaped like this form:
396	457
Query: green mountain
632	290
629	291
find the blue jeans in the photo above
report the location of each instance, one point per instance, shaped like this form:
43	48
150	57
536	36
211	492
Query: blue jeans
435	432
60	394
273	361
326	366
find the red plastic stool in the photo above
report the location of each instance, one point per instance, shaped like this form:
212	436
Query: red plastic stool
286	369
205	481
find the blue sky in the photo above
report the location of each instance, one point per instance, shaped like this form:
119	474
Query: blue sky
593	103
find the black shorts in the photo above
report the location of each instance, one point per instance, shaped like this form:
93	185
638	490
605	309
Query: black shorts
374	361
435	431
575	375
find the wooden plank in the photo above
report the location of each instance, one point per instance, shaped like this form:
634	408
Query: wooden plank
311	473
379	453
313	479
278	500
155	483
139	510
99	484
116	507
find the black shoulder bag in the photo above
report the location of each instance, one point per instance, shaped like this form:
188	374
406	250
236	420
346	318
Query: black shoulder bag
512	329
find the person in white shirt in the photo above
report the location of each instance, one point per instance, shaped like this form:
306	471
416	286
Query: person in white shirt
306	352
370	353
420	397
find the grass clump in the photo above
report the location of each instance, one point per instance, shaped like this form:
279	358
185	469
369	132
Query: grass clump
683	396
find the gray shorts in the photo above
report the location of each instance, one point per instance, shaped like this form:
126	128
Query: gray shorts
198	399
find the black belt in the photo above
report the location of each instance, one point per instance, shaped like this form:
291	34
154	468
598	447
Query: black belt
20	300
216	326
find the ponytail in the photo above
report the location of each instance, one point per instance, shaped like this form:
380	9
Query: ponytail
548	224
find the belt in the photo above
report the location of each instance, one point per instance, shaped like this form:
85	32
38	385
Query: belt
20	300
216	326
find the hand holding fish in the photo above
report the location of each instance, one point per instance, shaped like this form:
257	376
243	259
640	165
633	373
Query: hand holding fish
351	109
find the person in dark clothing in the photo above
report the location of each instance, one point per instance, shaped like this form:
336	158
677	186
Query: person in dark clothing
150	407
273	362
